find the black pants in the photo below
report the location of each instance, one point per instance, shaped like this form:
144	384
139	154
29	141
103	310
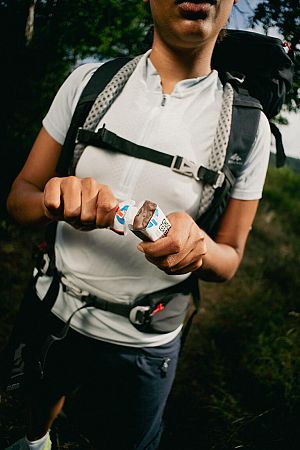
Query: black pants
126	388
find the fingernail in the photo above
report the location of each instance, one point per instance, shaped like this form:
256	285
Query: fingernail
140	248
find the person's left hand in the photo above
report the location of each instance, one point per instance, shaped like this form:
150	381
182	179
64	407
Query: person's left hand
182	250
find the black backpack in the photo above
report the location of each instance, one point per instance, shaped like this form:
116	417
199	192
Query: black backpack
261	73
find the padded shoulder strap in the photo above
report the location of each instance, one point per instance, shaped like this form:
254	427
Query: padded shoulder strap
96	84
245	120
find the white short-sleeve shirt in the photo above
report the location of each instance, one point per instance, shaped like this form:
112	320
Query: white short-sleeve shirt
182	123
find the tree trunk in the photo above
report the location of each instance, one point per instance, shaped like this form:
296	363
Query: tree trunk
30	22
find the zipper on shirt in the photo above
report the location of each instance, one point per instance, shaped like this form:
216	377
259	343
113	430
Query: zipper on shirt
130	172
164	100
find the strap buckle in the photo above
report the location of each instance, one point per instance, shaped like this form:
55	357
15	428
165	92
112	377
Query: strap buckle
79	130
70	289
139	315
185	167
220	179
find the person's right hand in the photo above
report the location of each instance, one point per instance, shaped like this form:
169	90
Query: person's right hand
83	203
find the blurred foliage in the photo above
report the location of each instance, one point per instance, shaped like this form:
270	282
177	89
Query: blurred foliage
284	15
282	196
64	32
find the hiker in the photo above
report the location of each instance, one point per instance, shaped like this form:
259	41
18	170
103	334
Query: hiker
171	103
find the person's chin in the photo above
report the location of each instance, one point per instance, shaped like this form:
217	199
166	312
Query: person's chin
194	32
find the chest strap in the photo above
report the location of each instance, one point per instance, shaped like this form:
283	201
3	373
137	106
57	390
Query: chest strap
104	138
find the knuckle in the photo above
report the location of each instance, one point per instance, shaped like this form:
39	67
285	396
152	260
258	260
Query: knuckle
104	190
51	184
168	263
202	248
46	199
53	180
70	181
88	182
70	214
175	244
50	203
87	218
107	206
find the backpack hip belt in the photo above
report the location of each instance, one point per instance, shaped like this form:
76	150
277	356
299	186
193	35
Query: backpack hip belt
141	313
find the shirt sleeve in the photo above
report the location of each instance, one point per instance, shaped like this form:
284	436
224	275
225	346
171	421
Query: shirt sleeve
249	185
58	119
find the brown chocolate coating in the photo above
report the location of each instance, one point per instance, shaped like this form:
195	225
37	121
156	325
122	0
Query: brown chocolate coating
144	215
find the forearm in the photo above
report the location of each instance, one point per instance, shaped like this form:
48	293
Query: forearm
25	204
220	263
225	253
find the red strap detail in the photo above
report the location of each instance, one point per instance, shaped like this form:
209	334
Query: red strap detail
287	44
42	246
159	308
289	48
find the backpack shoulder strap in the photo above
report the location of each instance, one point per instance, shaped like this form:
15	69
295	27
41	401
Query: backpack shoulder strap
96	84
244	125
246	113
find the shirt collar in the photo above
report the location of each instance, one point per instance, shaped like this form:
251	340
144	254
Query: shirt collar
153	82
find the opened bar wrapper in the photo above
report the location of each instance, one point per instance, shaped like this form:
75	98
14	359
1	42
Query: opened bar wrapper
126	209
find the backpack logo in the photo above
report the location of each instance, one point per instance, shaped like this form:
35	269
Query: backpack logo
235	159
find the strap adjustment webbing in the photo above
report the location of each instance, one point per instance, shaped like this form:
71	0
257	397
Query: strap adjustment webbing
200	173
106	139
146	304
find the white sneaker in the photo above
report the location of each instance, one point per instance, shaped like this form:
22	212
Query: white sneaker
21	444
